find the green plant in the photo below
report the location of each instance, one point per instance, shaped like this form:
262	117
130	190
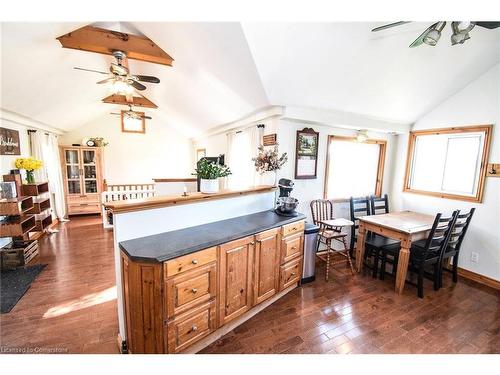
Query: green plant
208	170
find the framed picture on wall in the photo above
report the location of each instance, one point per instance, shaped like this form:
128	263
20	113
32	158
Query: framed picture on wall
306	154
9	142
200	153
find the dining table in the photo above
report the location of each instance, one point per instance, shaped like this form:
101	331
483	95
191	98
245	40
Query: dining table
403	226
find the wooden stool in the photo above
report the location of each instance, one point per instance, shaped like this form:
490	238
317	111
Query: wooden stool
332	230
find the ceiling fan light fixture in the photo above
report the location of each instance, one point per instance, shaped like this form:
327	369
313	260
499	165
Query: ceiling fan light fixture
120	87
132	123
432	37
460	35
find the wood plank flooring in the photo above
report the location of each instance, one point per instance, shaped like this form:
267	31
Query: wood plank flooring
71	307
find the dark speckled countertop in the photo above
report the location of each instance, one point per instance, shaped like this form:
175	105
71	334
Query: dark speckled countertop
169	245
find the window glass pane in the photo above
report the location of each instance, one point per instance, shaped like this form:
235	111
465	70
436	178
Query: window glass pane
460	172
428	162
352	169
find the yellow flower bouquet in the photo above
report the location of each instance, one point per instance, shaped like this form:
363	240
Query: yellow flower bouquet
30	165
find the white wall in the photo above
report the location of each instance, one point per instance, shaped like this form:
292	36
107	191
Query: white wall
307	190
137	158
477	103
7	161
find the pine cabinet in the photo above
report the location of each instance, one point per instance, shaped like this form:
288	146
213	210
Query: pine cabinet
83	180
235	278
266	265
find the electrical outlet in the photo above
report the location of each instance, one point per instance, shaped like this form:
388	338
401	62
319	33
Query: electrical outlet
474	257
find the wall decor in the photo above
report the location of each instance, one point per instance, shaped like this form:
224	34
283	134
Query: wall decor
9	142
306	154
269	139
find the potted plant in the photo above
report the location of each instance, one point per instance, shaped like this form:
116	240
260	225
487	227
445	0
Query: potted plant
29	165
209	173
268	162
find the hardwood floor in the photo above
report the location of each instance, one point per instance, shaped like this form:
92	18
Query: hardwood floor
71	307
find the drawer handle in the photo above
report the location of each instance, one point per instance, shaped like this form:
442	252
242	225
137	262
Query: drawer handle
194	261
292	274
194	290
293	248
194	328
294	228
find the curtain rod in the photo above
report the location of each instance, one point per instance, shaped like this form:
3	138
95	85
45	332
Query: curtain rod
34	131
259	126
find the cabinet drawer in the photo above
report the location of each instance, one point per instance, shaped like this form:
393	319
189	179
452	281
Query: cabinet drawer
76	199
190	261
190	327
290	273
190	289
293	228
84	208
291	247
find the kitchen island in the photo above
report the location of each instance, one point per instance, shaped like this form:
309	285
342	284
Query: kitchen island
245	257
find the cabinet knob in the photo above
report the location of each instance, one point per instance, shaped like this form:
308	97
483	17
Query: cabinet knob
294	228
292	274
194	290
293	248
252	243
194	328
194	261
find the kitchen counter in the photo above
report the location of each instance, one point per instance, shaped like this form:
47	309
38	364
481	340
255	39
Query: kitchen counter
169	245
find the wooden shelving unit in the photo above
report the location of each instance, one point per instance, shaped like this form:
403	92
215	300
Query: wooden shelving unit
16	206
17	226
41	204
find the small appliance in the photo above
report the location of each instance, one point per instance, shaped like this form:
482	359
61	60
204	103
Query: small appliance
286	204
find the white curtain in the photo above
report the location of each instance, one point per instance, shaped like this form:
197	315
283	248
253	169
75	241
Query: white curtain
242	147
46	148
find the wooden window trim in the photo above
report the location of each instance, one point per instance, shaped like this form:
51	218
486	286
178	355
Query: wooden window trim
143	128
380	168
487	129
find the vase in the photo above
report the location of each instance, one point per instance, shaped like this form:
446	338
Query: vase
209	186
269	178
30	177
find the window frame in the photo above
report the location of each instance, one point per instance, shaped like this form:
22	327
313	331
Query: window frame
380	166
452	130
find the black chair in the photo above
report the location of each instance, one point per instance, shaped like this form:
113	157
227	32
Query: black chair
455	243
379	205
373	242
429	251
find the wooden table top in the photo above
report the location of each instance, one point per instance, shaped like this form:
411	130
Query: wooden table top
402	221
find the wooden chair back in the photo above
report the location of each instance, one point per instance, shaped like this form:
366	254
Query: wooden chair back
439	235
321	209
379	205
358	207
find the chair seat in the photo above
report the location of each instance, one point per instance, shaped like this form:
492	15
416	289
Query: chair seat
332	234
418	249
381	242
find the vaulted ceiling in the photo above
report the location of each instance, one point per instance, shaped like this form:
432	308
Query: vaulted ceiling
224	71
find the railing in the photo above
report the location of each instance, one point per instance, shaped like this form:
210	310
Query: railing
120	192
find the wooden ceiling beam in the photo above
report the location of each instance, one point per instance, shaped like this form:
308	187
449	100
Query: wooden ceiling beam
95	39
137	101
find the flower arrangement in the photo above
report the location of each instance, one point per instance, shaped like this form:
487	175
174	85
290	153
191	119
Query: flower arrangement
99	141
30	165
268	160
208	170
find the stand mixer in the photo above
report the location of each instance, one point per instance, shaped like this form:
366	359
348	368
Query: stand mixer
286	205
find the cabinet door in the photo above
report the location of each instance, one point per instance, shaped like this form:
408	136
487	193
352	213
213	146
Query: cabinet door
89	171
266	269
73	170
235	278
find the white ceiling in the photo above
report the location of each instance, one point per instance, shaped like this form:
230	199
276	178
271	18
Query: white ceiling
224	71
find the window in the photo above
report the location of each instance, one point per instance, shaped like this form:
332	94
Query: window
353	169
448	163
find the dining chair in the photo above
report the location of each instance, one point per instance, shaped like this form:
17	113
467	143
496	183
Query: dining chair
321	210
373	242
379	205
455	243
429	251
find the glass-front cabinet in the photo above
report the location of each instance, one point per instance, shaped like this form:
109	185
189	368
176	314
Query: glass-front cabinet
83	178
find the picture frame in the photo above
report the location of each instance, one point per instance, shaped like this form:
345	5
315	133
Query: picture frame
306	154
9	142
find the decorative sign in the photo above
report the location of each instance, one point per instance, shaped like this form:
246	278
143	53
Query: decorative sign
269	140
306	155
9	142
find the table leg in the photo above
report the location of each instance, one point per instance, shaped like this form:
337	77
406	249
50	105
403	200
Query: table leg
404	257
360	247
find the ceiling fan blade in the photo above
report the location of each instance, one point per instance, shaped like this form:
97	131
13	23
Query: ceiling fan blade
388	26
90	70
137	85
114	113
105	81
147	117
488	24
119	70
149	79
421	37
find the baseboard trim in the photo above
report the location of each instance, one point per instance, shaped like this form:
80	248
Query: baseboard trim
481	279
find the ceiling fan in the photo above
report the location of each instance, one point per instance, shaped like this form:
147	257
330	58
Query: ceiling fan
432	34
123	82
132	115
